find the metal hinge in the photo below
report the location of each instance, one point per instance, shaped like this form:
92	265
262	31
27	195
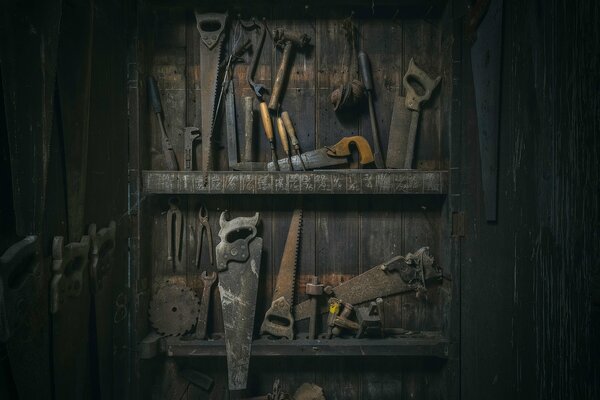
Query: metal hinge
458	224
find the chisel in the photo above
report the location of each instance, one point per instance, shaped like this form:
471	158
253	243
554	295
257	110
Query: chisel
268	125
284	139
289	127
167	149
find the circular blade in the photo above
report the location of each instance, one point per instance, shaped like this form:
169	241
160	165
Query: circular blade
174	309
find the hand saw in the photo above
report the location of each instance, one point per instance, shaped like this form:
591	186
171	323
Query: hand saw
398	275
212	34
279	320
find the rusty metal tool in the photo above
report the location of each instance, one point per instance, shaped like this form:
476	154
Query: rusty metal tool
167	148
328	156
289	41
173	309
405	116
314	289
369	321
238	266
289	127
268	125
334	306
190	135
212	34
209	281
248	128
343	321
284	140
400	274
279	320
486	63
367	78
203	226
414	102
174	234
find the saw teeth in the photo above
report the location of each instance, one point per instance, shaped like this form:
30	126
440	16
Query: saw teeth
173	301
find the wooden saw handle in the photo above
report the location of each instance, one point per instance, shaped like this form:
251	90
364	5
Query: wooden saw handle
342	149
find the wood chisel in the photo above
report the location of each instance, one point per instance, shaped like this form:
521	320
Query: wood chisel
289	127
367	77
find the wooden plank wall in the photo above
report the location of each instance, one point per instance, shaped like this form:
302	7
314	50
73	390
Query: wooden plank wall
342	236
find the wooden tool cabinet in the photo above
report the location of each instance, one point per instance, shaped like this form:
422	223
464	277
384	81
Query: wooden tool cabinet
353	219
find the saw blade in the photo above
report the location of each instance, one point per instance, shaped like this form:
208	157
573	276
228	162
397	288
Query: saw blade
211	50
173	309
286	277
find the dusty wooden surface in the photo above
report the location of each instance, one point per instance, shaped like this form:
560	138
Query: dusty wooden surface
342	236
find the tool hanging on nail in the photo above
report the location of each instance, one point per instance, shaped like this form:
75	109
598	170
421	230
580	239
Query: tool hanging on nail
167	148
290	42
238	265
208	281
212	34
174	234
367	77
289	127
279	320
405	116
203	227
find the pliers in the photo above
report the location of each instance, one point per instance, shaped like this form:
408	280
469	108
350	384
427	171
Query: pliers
204	226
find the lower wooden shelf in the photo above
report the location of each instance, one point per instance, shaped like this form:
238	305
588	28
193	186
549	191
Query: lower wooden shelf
390	347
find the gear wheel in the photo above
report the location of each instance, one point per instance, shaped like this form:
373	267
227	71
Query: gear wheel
174	309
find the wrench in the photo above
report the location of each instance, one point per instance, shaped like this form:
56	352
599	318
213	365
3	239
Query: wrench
209	281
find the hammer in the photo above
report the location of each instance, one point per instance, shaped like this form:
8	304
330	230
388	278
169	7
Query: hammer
289	41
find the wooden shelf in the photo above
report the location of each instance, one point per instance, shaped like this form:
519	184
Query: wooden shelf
390	347
313	182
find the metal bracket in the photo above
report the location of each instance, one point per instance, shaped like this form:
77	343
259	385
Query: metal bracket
103	246
68	267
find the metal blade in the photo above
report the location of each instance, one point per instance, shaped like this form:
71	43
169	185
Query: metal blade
312	160
210	59
238	286
232	149
398	275
398	137
286	278
486	62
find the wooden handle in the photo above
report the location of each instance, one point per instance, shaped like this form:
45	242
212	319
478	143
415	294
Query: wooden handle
289	127
266	120
283	136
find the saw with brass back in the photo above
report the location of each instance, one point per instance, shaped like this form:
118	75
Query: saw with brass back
279	320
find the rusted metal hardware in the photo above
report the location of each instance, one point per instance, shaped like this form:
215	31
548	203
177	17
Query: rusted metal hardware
69	265
259	89
343	322
277	393
367	78
401	274
212	34
103	246
190	135
309	391
248	128
173	309
314	289
401	146
334	306
238	264
279	320
167	148
289	41
203	227
20	268
369	321
174	234
209	281
289	127
328	156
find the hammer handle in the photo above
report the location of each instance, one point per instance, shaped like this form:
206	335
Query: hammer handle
281	76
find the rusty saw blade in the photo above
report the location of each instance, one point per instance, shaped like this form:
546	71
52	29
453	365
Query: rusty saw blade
279	320
212	34
398	275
